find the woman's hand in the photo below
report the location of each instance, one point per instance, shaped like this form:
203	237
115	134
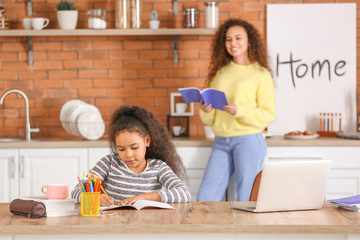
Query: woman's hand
206	108
231	109
106	200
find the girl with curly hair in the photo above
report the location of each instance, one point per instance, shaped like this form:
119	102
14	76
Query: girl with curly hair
143	164
239	68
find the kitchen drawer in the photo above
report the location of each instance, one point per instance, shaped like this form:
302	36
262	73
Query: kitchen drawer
342	157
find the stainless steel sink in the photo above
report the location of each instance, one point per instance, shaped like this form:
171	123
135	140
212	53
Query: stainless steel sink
11	139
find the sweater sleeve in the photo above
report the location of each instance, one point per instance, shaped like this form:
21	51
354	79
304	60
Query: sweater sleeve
100	169
207	118
264	113
174	190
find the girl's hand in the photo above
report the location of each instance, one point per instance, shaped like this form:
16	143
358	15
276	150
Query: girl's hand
106	200
153	196
231	109
206	108
130	200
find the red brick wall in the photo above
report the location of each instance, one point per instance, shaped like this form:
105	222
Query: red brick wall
109	71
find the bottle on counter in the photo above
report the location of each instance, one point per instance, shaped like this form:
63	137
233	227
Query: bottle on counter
97	19
211	15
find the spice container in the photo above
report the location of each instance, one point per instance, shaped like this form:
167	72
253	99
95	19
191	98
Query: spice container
190	18
135	13
211	15
97	19
4	23
122	14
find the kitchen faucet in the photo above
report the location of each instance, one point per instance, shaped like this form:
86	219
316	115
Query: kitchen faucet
28	129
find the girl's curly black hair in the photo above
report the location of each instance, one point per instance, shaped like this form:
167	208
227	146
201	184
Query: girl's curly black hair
143	122
220	57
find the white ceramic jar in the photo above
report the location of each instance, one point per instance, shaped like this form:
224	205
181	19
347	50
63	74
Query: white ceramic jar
211	15
97	19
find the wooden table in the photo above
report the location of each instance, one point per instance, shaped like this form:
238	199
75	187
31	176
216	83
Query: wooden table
206	218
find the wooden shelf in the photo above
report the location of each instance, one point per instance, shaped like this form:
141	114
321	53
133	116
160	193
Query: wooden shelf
105	32
108	32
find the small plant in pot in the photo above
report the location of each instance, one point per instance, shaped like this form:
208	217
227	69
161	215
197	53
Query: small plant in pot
154	22
67	15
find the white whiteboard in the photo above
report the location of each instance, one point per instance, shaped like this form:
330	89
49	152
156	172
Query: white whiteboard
307	33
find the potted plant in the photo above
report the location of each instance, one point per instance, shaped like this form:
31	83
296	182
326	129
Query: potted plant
67	15
154	22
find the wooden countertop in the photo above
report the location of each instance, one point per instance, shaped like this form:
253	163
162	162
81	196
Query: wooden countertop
274	141
206	217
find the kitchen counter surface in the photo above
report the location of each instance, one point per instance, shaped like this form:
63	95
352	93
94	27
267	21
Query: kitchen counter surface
205	218
274	141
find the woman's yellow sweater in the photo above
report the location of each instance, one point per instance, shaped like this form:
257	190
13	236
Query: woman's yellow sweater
251	89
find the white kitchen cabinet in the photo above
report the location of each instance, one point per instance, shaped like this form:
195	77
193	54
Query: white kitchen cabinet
195	160
39	167
344	178
25	171
95	154
8	174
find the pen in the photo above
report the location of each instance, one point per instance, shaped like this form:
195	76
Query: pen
100	184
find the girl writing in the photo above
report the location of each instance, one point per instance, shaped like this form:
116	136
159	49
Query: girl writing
143	164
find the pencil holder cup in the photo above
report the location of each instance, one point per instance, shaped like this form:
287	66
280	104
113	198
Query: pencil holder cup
90	204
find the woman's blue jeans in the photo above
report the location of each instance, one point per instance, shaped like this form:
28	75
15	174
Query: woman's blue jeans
242	156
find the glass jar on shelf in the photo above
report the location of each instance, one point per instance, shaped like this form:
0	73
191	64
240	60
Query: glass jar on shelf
211	15
190	18
136	13
4	23
122	13
97	19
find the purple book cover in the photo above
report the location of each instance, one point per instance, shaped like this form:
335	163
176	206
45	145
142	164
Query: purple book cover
209	95
347	200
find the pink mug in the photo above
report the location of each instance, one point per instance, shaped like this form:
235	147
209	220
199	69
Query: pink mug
56	191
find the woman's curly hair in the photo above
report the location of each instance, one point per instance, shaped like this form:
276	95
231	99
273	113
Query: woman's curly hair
143	122
220	57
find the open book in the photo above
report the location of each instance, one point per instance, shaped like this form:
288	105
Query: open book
140	204
209	95
350	203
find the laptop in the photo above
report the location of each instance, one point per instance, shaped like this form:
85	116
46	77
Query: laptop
291	185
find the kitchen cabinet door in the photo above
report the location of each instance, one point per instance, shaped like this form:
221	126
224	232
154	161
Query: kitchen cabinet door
8	174
39	167
195	160
95	154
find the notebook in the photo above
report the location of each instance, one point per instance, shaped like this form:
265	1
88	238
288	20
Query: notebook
291	185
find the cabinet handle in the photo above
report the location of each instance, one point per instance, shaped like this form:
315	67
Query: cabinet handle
22	166
12	167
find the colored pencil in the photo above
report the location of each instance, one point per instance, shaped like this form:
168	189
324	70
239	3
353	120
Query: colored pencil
82	186
100	184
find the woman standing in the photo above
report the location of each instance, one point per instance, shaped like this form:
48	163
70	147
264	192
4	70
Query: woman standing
239	68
